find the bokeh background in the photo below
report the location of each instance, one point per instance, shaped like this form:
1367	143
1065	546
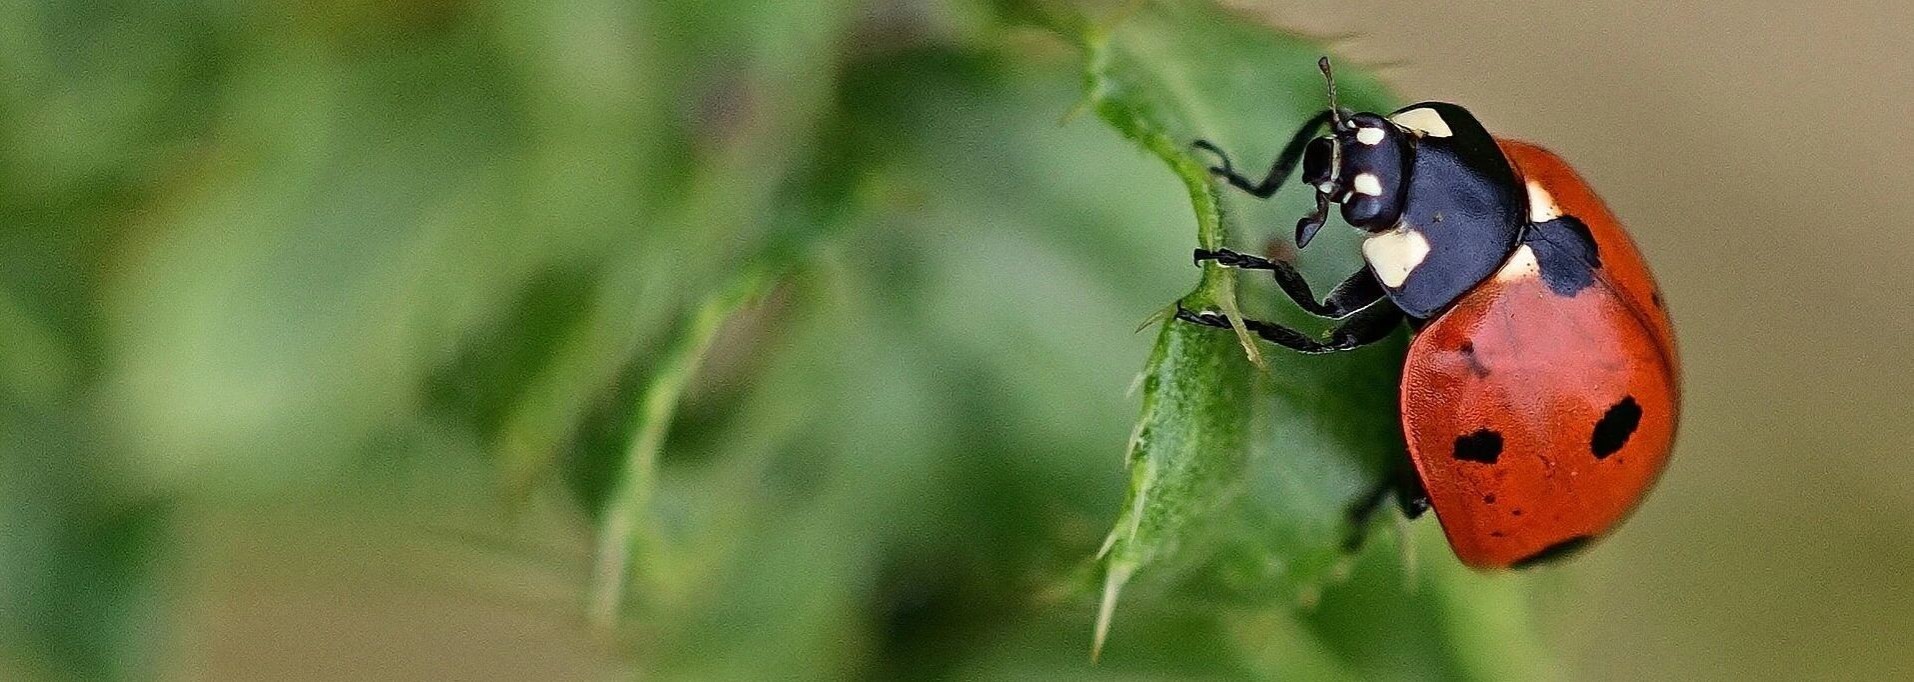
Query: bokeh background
324	327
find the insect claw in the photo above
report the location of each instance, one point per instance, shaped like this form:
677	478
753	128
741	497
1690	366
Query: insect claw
1227	168
1207	318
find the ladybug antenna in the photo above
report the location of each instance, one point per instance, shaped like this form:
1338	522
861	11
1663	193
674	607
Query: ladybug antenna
1335	119
1329	78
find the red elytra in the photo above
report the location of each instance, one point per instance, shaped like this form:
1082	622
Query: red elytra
1544	373
1540	394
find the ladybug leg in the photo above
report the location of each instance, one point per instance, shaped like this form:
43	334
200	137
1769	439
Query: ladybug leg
1232	259
1278	172
1362	328
1410	498
1362	511
1355	293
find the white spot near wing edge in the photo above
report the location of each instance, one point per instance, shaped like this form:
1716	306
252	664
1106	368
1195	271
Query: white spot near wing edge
1520	266
1542	206
1424	119
1394	254
1369	136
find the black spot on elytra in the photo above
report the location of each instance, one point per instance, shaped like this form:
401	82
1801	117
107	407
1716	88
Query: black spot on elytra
1483	446
1475	362
1515	512
1488	499
1498	534
1612	432
1559	550
1565	252
1580	230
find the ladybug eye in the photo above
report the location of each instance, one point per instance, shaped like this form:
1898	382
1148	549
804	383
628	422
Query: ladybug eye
1317	160
1374	201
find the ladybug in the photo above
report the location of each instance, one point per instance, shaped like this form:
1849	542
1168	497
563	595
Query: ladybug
1541	389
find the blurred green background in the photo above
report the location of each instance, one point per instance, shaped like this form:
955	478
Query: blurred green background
335	336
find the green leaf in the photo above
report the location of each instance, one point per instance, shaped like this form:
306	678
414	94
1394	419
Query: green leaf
1282	457
1188	447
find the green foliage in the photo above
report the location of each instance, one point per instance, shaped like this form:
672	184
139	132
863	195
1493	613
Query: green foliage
624	526
811	313
1248	476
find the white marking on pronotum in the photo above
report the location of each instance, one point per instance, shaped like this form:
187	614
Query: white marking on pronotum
1368	183
1369	136
1394	254
1542	206
1521	265
1424	119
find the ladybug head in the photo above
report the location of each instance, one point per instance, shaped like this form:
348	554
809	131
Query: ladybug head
1361	164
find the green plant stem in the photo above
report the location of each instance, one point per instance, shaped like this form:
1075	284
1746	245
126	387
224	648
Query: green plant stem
622	530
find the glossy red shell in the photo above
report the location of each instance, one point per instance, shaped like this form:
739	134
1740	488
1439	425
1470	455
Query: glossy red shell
1540	371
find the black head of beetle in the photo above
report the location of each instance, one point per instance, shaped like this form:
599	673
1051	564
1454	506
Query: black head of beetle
1362	164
